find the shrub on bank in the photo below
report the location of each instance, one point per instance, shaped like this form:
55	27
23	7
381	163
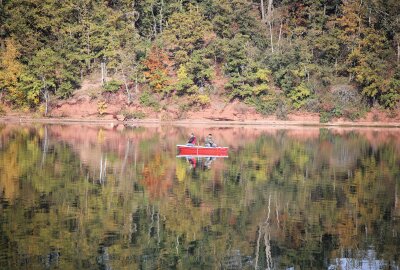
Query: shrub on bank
112	86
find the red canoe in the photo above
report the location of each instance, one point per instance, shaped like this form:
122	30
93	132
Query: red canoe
186	150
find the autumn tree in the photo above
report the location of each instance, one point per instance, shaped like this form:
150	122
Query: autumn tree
156	70
10	72
185	84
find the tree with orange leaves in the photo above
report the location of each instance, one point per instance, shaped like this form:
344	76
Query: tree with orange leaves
156	70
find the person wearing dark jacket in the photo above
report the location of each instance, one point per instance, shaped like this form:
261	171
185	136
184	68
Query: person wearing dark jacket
192	140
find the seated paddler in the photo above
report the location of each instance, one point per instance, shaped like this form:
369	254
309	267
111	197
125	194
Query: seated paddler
209	142
192	140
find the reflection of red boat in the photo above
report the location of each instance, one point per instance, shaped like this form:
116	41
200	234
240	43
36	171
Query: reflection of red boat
186	150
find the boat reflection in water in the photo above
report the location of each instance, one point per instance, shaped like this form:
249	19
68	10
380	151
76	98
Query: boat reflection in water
202	162
201	156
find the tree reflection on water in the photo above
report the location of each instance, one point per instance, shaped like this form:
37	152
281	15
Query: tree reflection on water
79	196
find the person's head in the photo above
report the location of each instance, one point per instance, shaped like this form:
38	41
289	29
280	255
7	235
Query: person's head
192	134
210	135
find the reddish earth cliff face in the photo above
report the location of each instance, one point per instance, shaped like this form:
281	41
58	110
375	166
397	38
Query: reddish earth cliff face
85	108
90	103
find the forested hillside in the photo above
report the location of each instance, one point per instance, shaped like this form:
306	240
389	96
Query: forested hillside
336	57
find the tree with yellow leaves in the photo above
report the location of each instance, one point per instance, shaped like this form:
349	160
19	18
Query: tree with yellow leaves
10	71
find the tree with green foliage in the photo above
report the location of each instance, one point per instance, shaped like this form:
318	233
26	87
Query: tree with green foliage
186	32
200	66
299	95
246	78
390	96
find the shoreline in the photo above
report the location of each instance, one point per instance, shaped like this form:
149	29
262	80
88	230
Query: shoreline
300	123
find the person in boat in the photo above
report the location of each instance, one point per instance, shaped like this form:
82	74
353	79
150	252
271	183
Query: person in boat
209	141
192	140
192	161
208	161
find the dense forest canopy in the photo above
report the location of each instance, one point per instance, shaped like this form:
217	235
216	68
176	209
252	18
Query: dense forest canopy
315	55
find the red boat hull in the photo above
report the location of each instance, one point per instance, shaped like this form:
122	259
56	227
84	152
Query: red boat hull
185	150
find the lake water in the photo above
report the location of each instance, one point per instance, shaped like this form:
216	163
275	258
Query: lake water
114	197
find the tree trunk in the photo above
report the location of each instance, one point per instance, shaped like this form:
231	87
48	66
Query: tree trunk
280	36
177	245
88	48
277	210
45	96
128	91
103	72
269	19
269	208
395	198
267	243
136	84
161	16
158	228
262	10
270	2
45	145
154	22
103	169
127	150
271	34
336	64
258	246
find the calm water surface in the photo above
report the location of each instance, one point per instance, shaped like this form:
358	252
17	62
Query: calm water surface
86	197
